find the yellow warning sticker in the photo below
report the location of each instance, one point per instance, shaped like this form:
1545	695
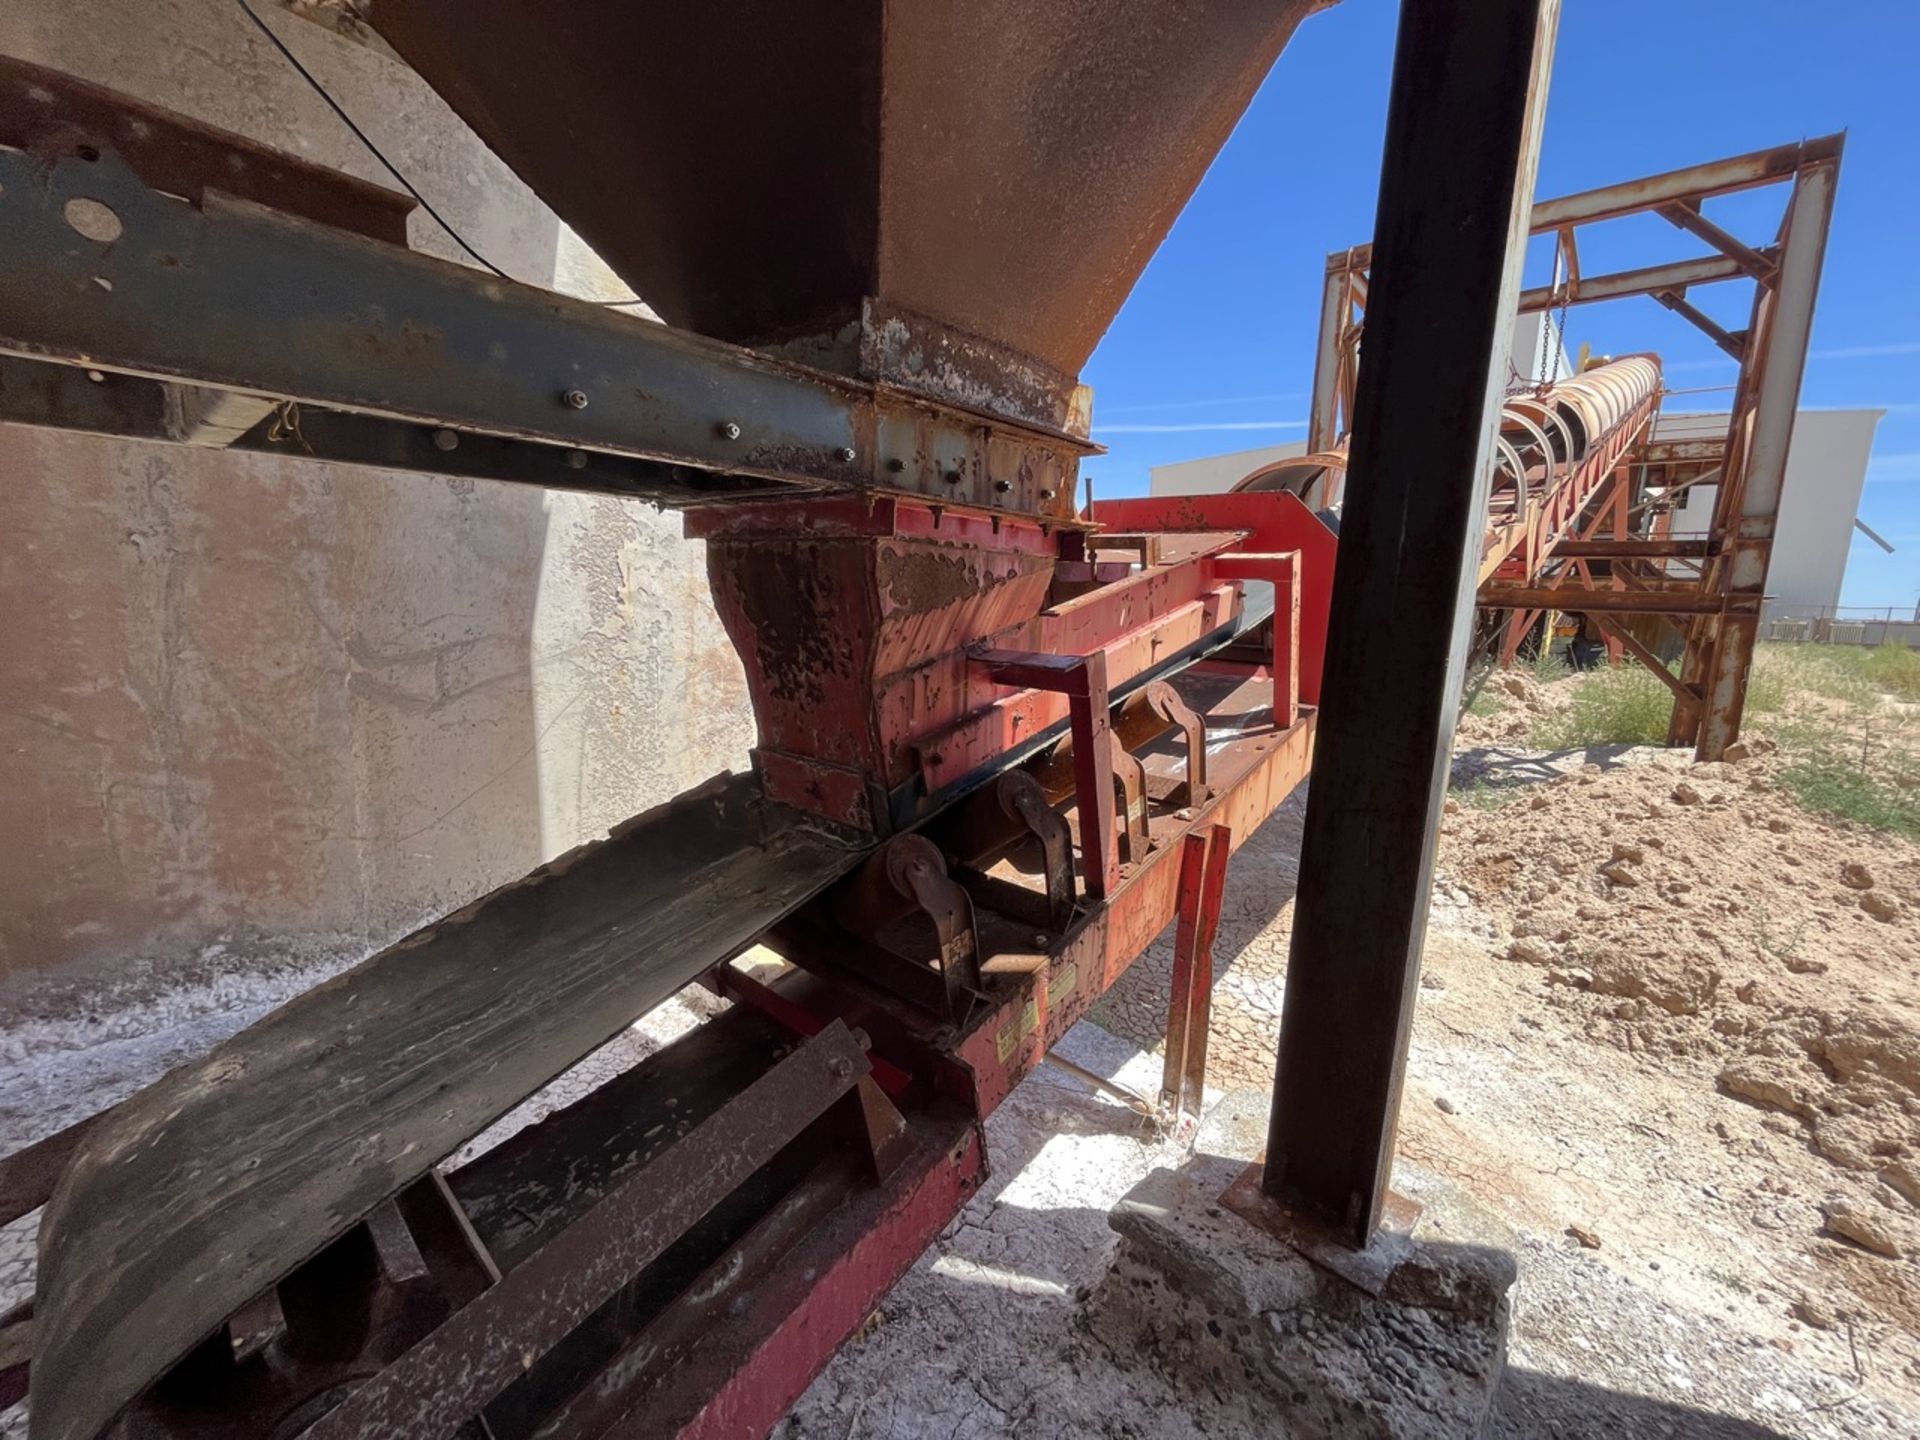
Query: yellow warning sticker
1004	1042
1066	982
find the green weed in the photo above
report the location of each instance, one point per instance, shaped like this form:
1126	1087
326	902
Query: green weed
1627	706
1834	780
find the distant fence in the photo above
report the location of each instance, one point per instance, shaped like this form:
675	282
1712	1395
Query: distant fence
1843	625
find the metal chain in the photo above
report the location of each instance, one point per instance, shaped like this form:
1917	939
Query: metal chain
1548	368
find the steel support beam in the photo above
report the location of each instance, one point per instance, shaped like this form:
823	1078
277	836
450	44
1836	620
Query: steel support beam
1649	280
1694	182
112	276
1686	214
1635	548
1727	340
1580	600
1336	312
45	395
1462	146
1783	328
1632	644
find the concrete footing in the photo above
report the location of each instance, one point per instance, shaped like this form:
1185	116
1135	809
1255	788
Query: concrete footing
1223	1306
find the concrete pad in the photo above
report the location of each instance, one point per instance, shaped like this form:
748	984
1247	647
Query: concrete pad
1217	1304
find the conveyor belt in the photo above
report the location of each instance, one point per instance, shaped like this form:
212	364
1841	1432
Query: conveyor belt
204	1190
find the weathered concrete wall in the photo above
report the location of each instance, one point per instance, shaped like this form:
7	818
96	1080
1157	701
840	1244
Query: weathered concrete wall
251	697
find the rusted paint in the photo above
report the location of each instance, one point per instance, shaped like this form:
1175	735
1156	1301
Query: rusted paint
893	696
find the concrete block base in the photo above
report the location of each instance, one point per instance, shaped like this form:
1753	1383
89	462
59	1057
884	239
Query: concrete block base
1282	1347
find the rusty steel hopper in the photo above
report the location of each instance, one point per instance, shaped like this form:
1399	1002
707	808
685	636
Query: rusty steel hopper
954	196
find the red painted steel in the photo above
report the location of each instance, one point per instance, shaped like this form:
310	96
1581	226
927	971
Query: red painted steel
1270	524
827	1291
743	989
763	1355
855	619
1082	679
1203	877
1282	572
1001	1049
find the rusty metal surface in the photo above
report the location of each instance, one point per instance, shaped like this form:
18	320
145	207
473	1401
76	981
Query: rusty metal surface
430	1392
117	277
1082	679
720	155
215	1175
855	620
1462	148
1204	854
1273	524
1747	511
1001	168
50	114
1716	177
1034	156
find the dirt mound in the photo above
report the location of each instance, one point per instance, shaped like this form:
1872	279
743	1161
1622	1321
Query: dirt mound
1508	707
1853	1080
1695	911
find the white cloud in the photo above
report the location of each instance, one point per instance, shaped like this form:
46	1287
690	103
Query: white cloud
1902	465
1838	352
1867	352
1100	429
1198	404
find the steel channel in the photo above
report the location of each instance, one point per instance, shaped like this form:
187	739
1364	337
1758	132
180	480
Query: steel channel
1463	133
1716	177
1706	270
56	396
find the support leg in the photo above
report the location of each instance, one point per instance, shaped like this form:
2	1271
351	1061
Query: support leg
1463	127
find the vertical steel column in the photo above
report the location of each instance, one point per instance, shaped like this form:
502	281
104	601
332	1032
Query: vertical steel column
1336	310
1779	350
1463	134
1203	880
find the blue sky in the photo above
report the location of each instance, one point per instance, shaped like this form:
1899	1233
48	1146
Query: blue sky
1214	350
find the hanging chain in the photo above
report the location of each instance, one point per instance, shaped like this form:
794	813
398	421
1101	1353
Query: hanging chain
1549	329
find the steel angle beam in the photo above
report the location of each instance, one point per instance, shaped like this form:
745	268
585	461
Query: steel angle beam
46	395
110	275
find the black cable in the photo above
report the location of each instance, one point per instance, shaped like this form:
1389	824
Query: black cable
378	154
